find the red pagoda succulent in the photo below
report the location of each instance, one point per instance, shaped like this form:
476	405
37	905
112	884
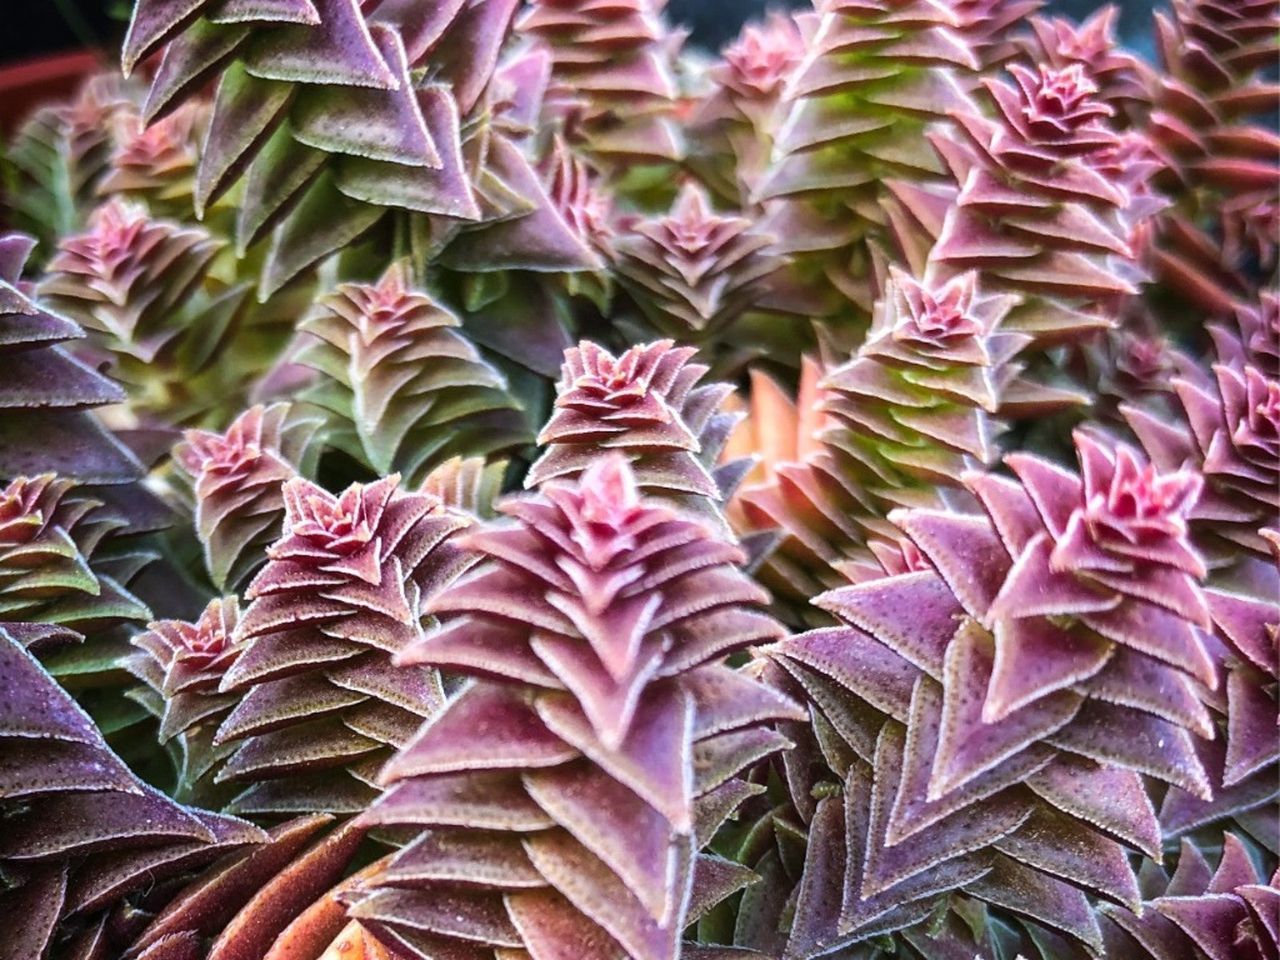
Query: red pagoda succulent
563	796
1231	431
980	708
1224	163
739	119
404	389
1065	243
236	477
612	81
916	403
46	395
1123	80
156	163
336	112
693	272
940	247
902	420
59	156
125	274
873	76
85	840
580	198
181	663
647	404
49	531
321	705
161	313
1098	561
1223	913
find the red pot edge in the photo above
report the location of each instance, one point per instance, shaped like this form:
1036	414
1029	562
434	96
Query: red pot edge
26	84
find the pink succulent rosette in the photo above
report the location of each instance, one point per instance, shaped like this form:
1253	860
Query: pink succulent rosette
575	780
901	421
1123	80
50	531
1229	425
760	60
321	705
1069	251
739	119
182	663
62	151
646	403
693	271
993	700
157	162
125	276
916	404
404	389
236	477
580	198
1225	912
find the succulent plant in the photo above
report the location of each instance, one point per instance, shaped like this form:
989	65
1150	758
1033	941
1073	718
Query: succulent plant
84	838
45	424
646	403
236	478
55	161
1066	247
49	530
738	121
404	389
156	162
1123	81
945	335
181	664
693	272
1228	423
321	705
562	796
613	86
917	403
1208	125
872	77
979	710
1223	912
900	422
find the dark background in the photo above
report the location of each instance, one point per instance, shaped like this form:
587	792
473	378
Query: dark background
33	27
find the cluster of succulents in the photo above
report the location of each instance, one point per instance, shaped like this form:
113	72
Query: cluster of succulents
486	480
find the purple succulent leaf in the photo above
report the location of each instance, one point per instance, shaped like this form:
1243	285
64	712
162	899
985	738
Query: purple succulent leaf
971	741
